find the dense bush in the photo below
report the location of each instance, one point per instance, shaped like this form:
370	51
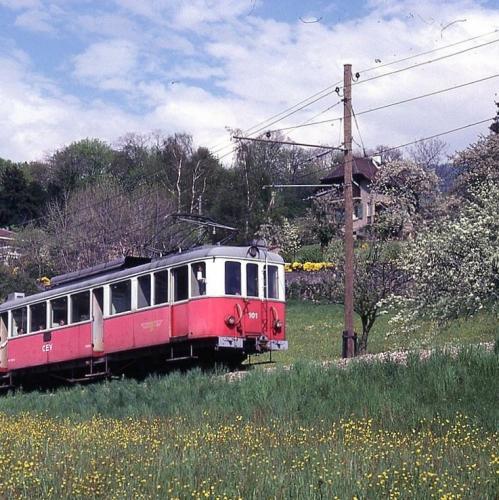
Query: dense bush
317	286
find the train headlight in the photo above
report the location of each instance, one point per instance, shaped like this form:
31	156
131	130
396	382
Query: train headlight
278	325
230	321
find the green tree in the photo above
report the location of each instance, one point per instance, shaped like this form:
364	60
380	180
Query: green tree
77	165
377	277
14	279
20	199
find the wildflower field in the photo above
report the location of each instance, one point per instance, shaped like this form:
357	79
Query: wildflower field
379	430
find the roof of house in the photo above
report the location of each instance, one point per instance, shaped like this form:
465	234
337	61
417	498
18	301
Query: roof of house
361	167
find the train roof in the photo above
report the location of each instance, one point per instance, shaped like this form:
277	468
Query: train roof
121	268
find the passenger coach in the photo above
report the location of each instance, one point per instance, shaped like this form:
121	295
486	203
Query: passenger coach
211	303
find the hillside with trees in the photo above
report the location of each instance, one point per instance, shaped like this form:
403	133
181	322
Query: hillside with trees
431	252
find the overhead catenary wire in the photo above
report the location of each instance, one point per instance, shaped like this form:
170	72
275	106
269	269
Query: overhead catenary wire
396	103
264	124
400	146
358	130
388	74
327	91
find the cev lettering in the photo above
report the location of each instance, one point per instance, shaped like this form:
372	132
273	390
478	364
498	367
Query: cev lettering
46	347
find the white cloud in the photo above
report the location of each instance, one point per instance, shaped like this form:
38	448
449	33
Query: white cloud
103	63
248	68
20	4
35	120
35	20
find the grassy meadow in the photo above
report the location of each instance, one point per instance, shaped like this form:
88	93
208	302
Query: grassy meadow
428	429
378	430
314	333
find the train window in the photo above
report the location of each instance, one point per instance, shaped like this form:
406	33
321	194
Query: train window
19	321
80	307
121	297
161	287
252	280
38	319
4	326
180	283
233	278
144	291
198	279
59	315
273	285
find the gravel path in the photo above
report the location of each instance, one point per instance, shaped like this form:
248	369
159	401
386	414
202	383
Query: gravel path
400	357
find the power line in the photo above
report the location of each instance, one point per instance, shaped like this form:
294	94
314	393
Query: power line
358	130
328	90
431	51
329	108
417	65
390	73
433	136
408	143
275	121
403	101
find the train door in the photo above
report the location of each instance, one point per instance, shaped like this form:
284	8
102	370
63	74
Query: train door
180	303
254	312
271	291
98	320
4	318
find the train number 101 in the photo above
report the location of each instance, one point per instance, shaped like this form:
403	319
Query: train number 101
252	315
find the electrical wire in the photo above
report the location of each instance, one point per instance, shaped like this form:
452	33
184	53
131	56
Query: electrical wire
358	129
329	108
259	127
408	143
329	90
417	65
381	76
396	103
433	136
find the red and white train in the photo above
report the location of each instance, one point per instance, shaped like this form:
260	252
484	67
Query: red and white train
210	303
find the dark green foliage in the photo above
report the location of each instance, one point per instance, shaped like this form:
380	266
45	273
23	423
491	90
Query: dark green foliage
21	199
77	165
15	280
310	253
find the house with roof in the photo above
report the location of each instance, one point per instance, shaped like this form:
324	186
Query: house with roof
366	204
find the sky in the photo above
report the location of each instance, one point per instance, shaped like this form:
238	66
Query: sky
72	69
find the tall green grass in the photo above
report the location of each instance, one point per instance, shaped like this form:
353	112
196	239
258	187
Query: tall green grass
381	430
388	392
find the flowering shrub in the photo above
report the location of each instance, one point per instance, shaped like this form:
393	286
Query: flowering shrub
307	266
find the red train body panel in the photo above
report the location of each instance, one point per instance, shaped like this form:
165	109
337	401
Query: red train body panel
228	303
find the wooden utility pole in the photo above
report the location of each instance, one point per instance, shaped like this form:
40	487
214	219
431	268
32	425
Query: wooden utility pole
348	333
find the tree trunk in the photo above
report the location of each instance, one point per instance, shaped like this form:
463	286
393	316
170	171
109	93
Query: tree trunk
362	347
367	323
